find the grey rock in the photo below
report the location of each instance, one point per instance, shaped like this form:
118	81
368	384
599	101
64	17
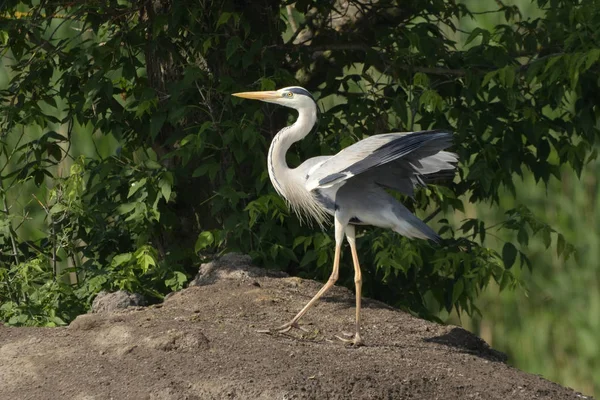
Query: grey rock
235	266
119	300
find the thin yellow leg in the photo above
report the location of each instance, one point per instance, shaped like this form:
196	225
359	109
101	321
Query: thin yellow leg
358	286
330	282
339	236
350	235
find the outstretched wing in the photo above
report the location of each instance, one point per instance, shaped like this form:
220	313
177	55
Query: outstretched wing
406	173
376	151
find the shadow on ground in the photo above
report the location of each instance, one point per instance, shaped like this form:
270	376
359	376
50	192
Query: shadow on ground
468	343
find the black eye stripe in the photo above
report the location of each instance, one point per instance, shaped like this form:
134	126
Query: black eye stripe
301	91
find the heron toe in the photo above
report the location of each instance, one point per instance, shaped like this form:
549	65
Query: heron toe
354	341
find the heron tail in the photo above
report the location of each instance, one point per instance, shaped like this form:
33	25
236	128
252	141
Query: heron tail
407	224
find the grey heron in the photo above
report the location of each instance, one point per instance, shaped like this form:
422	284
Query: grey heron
351	185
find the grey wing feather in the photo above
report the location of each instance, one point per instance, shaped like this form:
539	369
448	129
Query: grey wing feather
411	226
404	174
438	162
377	151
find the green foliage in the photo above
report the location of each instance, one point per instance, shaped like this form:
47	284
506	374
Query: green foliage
550	328
31	295
173	168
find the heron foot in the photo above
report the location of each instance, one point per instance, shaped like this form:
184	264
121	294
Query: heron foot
352	339
284	328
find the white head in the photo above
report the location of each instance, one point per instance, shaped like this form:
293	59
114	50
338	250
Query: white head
293	96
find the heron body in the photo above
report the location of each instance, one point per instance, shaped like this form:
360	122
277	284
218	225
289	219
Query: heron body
351	185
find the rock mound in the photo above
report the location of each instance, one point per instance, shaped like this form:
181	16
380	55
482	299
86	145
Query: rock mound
202	343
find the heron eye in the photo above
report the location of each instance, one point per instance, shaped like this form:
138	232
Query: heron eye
289	94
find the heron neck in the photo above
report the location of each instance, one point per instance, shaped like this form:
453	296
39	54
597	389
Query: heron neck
277	164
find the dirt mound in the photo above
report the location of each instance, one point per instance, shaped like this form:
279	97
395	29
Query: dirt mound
202	343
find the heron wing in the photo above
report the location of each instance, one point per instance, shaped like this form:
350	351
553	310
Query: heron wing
404	174
378	150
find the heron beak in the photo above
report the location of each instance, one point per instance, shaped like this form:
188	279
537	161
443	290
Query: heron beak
264	96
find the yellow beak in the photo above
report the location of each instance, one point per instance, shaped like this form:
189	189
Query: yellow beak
267	95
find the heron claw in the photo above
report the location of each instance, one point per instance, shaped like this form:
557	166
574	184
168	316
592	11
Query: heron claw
355	340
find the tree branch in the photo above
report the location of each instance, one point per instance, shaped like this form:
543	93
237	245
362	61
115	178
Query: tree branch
427	70
363	47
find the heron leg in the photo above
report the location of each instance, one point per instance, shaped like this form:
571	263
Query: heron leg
351	237
339	237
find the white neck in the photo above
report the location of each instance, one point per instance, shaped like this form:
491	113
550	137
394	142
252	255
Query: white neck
276	162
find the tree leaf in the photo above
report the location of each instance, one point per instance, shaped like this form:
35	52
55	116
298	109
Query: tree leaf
223	18
560	244
232	45
509	255
156	123
135	186
205	239
165	188
523	236
457	290
121	259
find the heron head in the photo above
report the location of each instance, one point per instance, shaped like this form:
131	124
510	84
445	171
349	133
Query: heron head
292	96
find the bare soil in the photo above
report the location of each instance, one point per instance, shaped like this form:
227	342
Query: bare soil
202	343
